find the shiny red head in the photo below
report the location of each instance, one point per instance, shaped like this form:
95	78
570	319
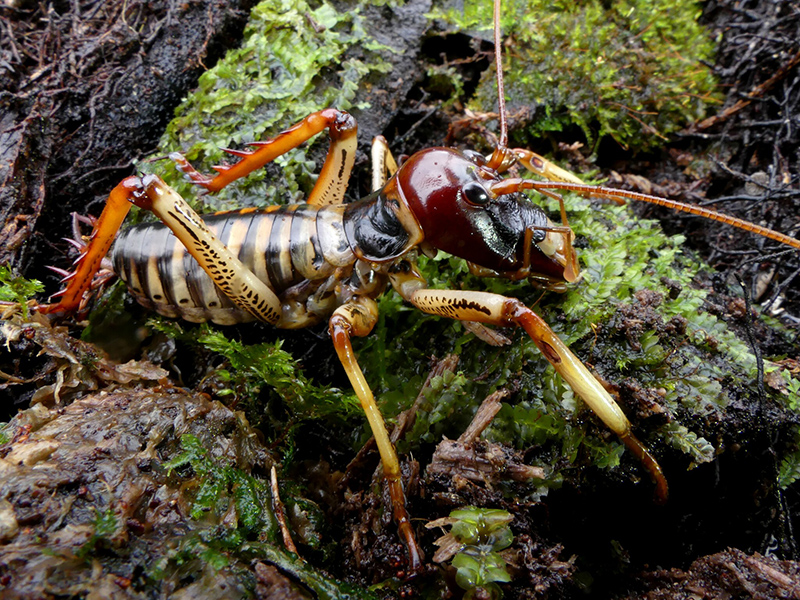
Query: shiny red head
450	195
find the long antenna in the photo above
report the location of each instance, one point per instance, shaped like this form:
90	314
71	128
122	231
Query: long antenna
502	157
507	186
498	62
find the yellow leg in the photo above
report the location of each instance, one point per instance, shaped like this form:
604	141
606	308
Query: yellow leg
224	268
383	163
499	310
358	317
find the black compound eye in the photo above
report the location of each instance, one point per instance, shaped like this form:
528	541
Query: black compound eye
476	194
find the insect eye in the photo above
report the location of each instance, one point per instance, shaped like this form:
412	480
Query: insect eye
476	194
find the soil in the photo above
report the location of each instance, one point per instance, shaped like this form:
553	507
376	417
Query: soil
754	152
87	89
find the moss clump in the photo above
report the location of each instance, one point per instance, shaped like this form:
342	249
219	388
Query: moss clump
256	374
790	465
272	81
483	533
629	69
221	484
16	289
216	487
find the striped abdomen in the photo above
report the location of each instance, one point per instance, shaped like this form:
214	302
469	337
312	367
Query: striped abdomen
284	247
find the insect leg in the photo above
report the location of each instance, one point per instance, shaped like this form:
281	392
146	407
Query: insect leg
335	173
357	318
499	310
563	244
543	167
332	181
103	234
224	268
383	163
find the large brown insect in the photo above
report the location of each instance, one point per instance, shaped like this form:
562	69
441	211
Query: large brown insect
297	265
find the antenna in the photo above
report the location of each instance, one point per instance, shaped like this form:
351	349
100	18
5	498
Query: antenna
498	62
502	157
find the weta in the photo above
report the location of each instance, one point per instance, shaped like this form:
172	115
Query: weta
325	260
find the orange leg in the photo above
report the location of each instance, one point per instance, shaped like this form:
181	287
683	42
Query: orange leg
358	317
333	177
103	234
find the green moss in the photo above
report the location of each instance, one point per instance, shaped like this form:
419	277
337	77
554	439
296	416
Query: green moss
106	524
272	81
19	290
483	533
790	465
202	553
254	368
233	525
321	585
629	69
482	526
220	484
